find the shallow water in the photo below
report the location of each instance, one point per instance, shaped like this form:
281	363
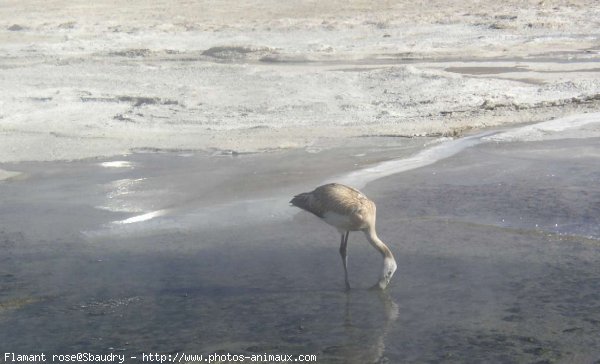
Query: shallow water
497	247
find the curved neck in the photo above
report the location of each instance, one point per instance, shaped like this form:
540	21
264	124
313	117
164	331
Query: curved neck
389	263
372	237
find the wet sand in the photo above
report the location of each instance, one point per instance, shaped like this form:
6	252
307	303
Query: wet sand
497	249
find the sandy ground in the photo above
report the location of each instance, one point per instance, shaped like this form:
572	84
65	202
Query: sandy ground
83	80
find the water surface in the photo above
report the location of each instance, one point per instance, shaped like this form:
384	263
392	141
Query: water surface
497	247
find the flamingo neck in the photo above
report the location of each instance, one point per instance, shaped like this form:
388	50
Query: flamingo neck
389	263
378	244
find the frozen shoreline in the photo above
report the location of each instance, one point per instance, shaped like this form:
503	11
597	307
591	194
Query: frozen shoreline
90	80
256	203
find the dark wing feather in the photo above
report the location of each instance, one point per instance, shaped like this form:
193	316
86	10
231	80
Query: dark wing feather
307	202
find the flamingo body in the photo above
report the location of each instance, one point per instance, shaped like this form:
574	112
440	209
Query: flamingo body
347	209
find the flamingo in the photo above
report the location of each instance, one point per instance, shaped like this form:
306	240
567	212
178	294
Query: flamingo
347	209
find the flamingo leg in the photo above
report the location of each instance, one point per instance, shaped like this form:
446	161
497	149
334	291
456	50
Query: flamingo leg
343	246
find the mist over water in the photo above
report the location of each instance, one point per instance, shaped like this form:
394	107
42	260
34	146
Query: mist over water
256	205
496	243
